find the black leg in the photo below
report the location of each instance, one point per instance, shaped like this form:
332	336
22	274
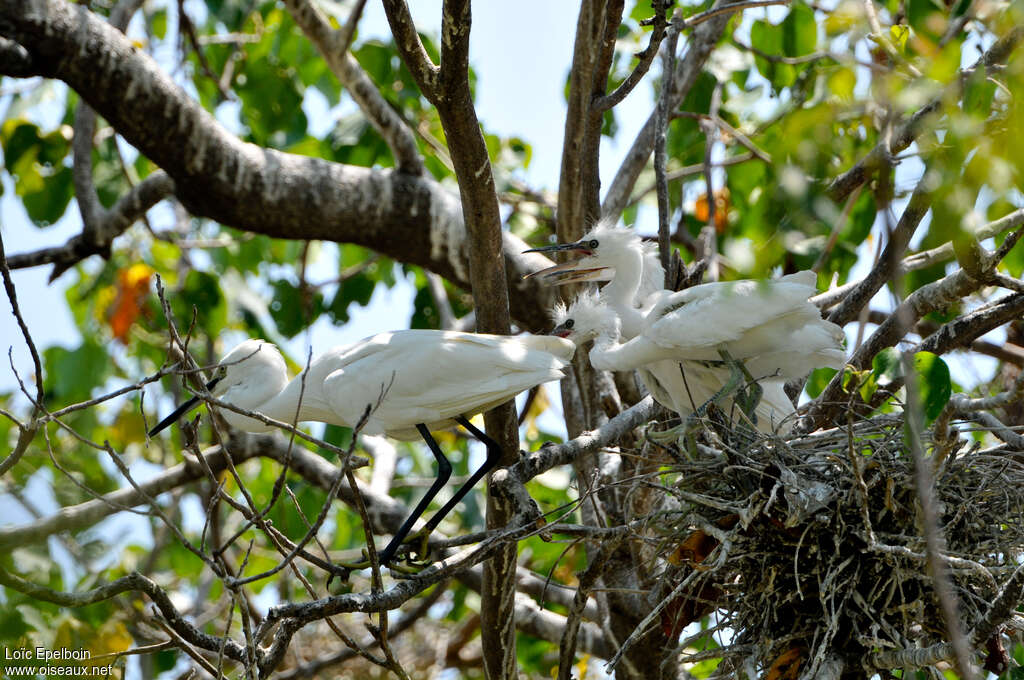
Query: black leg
493	456
444	472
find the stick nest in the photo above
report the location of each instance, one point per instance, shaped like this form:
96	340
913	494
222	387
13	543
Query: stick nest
812	549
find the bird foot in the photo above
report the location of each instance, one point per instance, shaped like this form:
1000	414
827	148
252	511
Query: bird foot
422	550
683	436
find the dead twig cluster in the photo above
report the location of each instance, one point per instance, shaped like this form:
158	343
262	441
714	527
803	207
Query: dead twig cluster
811	550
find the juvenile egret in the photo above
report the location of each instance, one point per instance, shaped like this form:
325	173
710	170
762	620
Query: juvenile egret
414	381
617	255
749	318
772	321
682	385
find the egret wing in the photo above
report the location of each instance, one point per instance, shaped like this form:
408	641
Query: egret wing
430	377
714	314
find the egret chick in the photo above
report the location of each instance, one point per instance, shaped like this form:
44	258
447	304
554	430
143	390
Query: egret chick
414	381
682	385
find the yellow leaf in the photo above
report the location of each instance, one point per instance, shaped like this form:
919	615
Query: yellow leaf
842	82
899	35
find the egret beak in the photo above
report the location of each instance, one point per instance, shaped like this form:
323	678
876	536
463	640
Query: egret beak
181	410
570	272
559	247
561	330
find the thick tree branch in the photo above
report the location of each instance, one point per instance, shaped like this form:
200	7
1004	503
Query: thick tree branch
448	89
15	60
412	219
572	212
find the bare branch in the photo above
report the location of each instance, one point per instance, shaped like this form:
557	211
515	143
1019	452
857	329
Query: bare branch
108	226
701	42
311	466
661	127
131	582
644	61
333	46
926	258
920	201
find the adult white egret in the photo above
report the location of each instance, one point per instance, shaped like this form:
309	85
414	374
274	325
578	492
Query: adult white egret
414	381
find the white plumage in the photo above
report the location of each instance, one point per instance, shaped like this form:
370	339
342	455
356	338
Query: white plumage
414	380
770	325
425	377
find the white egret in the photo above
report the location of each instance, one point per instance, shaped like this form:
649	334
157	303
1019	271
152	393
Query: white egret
619	256
772	321
682	385
414	381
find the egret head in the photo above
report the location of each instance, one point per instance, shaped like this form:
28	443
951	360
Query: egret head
587	318
597	255
248	376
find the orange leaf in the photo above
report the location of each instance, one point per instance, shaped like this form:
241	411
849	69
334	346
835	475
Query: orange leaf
131	292
722	205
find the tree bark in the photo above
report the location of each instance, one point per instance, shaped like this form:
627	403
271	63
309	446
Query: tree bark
407	217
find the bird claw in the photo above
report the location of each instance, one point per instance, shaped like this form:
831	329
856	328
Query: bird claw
683	436
422	551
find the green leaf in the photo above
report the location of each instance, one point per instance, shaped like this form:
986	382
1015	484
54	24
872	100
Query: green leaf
424	314
158	23
71	375
768	39
887	366
48	204
819	380
978	94
925	17
36	162
356	289
933	383
201	291
799	31
17	137
293	309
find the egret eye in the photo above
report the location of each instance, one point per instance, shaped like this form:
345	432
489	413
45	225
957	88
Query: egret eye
220	372
569	323
592	243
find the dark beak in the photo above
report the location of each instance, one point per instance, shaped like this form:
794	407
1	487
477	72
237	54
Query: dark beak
561	331
569	271
181	410
558	247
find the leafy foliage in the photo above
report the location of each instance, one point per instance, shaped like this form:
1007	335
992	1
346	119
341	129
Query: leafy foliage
796	95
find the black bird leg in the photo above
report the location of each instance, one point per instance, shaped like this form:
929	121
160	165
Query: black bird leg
493	456
444	472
